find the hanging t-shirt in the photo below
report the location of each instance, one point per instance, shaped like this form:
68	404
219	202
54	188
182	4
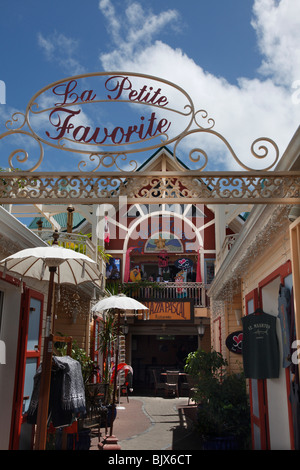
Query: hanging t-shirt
260	346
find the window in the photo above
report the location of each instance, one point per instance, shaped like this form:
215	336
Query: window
209	270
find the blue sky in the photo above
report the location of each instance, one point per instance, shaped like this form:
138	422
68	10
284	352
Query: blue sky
216	34
237	59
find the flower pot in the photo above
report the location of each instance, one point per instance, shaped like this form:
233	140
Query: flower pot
109	412
80	440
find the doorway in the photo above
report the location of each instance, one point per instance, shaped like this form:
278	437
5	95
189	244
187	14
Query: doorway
160	352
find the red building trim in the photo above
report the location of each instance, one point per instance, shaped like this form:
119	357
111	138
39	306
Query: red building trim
263	420
22	355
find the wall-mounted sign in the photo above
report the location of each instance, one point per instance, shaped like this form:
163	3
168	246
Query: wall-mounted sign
234	342
172	310
183	263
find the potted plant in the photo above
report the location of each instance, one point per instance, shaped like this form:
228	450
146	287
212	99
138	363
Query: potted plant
107	335
223	408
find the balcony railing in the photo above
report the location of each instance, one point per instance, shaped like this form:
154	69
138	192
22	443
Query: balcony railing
74	241
226	247
195	291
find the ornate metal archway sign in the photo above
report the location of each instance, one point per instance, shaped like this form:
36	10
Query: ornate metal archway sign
97	122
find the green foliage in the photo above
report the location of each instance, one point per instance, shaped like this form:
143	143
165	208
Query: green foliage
223	405
203	364
113	288
225	411
80	246
108	331
133	286
101	250
80	355
107	334
207	368
129	288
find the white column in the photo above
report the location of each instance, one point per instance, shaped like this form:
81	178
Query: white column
95	233
220	226
220	232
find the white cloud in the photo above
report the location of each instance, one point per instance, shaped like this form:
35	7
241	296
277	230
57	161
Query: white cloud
137	26
278	32
261	107
113	24
61	49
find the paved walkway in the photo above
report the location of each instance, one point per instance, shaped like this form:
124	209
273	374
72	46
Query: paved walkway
154	423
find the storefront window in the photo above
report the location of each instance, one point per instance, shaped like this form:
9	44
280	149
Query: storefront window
209	270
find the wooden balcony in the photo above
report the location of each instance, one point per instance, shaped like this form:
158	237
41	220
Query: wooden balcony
195	291
74	241
226	247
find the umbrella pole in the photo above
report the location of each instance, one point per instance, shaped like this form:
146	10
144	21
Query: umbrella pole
115	378
45	380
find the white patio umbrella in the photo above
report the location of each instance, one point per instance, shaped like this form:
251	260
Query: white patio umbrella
64	266
118	303
71	267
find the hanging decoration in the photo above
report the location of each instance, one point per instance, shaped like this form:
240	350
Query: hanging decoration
234	342
127	369
180	279
184	263
127	264
106	231
135	274
163	259
198	272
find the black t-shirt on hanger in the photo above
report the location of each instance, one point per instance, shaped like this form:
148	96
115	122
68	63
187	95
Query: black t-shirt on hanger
260	346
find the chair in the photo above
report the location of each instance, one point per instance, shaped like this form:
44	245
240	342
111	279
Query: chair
96	396
157	385
184	387
123	390
172	382
191	381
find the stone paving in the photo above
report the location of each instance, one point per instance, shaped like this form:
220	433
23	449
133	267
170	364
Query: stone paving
154	423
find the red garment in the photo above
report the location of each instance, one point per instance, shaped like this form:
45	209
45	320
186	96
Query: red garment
198	273
106	231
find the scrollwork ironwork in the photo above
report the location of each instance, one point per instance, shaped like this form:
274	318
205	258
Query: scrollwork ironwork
17	187
263	148
100	159
21	155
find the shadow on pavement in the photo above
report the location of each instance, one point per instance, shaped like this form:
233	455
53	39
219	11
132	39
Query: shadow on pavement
185	437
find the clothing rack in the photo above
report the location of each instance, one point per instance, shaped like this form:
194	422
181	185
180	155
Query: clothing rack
53	339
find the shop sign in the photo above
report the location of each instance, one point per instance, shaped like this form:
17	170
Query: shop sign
107	115
183	263
234	342
172	310
102	111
